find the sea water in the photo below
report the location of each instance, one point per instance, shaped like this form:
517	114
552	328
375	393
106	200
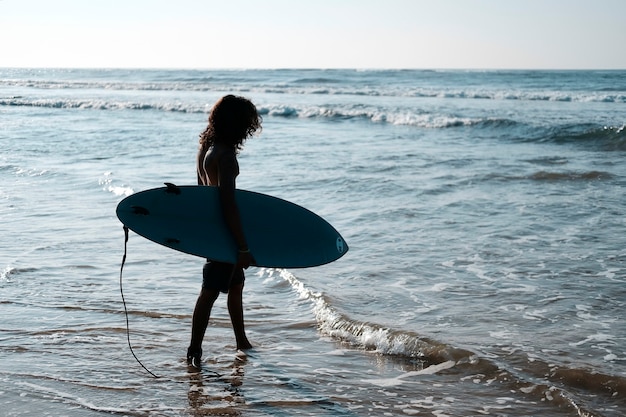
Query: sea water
485	213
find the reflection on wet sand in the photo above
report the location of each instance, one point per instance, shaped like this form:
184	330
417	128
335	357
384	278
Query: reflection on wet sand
212	393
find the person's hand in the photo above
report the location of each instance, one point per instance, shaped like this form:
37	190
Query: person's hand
245	259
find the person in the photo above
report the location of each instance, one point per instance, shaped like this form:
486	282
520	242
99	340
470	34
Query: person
232	120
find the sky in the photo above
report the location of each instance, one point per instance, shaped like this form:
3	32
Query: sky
369	34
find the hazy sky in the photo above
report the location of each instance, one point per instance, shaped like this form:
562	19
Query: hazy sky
313	33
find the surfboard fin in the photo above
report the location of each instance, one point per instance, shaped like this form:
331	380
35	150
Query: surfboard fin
140	210
172	188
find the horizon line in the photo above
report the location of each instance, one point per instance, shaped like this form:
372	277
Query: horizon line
159	68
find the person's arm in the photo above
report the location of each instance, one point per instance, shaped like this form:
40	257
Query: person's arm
227	172
200	169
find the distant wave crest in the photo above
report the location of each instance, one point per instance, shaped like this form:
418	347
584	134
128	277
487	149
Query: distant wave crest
611	138
326	87
382	115
338	112
99	105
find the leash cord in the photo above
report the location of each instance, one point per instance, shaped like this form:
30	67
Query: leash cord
126	310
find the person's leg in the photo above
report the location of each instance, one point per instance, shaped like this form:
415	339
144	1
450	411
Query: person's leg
235	309
200	320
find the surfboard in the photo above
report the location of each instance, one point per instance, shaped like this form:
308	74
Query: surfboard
280	234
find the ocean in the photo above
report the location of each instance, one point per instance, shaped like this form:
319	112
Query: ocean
485	213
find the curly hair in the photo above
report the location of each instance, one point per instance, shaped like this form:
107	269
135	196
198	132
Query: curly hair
233	119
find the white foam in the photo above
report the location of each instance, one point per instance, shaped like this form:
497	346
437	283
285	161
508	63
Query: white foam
5	275
441	286
336	325
503	334
431	370
609	273
535	314
119	191
521	288
598	337
83	402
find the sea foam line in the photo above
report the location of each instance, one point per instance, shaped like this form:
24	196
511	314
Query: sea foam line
328	88
370	336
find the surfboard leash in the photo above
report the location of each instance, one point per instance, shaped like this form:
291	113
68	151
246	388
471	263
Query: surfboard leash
126	310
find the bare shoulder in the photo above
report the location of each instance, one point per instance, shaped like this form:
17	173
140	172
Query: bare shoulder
226	159
220	166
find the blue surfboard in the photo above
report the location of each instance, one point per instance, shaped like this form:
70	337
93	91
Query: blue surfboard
280	234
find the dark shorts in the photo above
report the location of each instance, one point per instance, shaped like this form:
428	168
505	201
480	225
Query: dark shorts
220	276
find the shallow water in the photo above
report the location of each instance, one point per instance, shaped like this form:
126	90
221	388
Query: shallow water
484	212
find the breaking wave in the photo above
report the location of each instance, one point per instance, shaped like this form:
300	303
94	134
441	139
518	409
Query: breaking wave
567	385
320	85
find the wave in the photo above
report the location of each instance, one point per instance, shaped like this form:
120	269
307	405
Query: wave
22	171
553	176
520	95
564	385
368	335
100	105
608	138
570	176
9	272
372	114
323	85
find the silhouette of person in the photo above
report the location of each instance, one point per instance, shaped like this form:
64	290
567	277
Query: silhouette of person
232	120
